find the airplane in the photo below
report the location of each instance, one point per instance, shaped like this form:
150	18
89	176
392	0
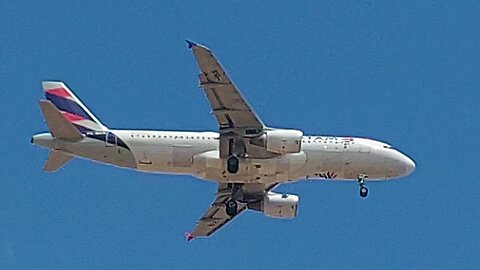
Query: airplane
246	158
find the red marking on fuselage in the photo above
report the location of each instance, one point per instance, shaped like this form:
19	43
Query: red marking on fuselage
328	175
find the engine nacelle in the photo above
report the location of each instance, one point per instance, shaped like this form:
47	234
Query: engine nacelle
284	141
277	205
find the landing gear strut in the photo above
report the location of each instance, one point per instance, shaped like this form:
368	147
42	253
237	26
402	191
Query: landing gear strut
231	205
363	187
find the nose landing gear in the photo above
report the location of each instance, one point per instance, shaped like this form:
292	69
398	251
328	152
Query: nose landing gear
363	187
363	191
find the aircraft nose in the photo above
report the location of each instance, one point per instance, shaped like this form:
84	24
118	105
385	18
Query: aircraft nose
400	164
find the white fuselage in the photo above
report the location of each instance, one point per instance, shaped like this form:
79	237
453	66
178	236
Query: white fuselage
197	154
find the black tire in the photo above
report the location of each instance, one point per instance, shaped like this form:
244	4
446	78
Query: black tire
232	165
363	191
231	207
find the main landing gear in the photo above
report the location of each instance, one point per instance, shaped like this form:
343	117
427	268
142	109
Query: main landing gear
231	205
232	164
363	187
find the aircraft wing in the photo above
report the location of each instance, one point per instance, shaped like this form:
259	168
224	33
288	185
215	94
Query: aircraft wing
235	117
216	217
229	107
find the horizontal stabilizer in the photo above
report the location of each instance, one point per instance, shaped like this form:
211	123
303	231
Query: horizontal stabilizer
59	126
56	159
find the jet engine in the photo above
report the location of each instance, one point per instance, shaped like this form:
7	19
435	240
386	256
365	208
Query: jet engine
283	141
277	205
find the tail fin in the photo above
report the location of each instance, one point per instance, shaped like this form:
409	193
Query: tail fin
71	107
56	159
58	125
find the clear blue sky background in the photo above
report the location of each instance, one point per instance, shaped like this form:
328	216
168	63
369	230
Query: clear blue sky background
406	73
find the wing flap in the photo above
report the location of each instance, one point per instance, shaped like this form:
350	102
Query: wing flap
229	107
216	217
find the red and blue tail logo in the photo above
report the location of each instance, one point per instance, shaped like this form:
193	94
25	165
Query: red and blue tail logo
71	107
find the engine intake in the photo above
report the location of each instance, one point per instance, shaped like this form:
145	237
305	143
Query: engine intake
280	205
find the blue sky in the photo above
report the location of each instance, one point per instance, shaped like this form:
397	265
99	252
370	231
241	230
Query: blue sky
403	72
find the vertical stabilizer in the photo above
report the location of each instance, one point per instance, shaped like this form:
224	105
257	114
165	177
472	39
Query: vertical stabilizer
71	107
58	125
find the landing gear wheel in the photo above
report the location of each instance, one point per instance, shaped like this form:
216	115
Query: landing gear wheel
232	165
363	191
231	207
363	187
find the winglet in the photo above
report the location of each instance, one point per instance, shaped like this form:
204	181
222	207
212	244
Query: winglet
190	43
189	236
